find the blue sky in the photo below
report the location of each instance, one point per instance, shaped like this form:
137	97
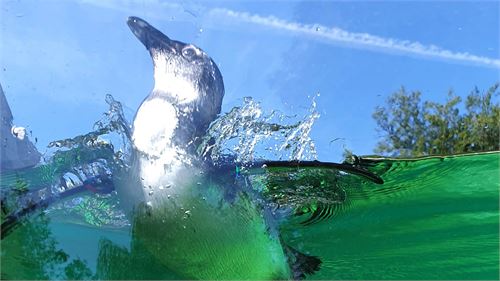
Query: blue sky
58	59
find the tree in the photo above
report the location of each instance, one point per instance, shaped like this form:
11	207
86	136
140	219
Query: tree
482	121
411	127
403	124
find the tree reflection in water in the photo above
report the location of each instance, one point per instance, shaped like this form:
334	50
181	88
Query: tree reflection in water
31	252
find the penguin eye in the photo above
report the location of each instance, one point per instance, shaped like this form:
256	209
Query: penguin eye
189	52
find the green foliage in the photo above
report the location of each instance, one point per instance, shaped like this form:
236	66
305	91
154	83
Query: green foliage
411	127
78	270
32	253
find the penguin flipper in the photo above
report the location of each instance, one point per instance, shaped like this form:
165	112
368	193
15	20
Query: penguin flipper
302	264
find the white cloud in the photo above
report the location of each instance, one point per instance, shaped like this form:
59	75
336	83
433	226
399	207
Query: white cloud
363	40
334	35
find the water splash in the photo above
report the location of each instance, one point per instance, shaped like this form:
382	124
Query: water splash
249	133
111	131
299	140
246	131
69	163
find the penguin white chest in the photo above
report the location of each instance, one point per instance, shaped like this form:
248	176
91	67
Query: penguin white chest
154	128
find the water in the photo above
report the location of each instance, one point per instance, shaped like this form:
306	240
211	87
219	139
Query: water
433	218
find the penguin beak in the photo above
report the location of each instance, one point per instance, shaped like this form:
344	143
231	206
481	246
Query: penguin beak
150	37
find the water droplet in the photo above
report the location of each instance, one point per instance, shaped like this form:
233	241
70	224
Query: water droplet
149	204
198	183
187	213
318	29
150	193
264	166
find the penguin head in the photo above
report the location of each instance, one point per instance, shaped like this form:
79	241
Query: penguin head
184	75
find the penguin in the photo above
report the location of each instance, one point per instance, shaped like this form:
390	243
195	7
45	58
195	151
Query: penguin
199	221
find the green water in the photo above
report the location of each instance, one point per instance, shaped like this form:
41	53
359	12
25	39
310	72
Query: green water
434	218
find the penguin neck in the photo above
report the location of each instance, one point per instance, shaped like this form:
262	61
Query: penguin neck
169	80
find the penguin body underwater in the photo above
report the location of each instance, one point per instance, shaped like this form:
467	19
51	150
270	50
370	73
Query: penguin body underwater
198	221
